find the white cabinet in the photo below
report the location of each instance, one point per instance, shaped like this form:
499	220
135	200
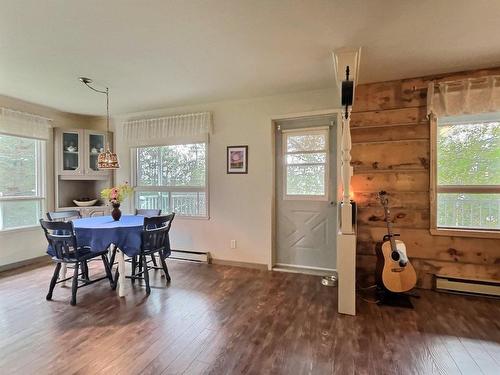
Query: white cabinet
76	153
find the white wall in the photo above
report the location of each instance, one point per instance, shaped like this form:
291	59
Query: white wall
22	244
240	205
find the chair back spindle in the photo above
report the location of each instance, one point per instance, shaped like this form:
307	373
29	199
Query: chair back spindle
61	238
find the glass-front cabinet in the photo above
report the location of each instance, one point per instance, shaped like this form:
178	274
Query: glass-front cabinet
95	143
70	152
77	152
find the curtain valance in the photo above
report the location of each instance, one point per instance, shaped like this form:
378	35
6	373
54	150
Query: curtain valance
24	124
473	95
167	130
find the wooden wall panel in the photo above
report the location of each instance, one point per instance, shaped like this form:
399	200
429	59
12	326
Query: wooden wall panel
421	244
367	157
414	115
390	134
410	181
426	269
416	199
405	217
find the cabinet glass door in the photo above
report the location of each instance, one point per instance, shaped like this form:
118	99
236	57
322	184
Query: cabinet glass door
96	146
71	156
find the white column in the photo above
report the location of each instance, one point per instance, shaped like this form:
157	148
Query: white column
346	224
346	238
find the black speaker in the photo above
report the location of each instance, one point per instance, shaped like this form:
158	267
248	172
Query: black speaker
347	92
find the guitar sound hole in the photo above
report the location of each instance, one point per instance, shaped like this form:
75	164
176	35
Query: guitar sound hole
395	256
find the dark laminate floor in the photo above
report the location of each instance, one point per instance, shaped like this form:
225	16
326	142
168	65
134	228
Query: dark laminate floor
229	320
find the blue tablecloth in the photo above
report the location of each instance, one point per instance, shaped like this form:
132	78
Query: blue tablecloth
101	231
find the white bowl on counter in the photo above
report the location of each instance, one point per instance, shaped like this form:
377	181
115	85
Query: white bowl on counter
85	203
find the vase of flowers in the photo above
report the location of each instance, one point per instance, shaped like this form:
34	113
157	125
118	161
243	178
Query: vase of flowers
115	196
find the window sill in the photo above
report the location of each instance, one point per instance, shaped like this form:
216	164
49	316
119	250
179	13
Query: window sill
465	233
180	217
19	229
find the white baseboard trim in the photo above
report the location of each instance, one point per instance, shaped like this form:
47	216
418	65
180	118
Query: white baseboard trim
316	271
42	260
193	256
258	266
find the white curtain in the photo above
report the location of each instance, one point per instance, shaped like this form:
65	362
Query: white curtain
469	96
193	127
24	124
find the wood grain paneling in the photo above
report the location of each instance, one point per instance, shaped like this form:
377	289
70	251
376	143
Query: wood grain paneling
427	268
401	217
391	155
390	133
392	181
421	244
414	115
418	200
391	151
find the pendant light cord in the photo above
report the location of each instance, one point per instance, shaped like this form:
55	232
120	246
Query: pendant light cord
107	101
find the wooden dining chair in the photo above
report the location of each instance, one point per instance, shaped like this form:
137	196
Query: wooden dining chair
147	212
64	249
155	240
63	215
66	216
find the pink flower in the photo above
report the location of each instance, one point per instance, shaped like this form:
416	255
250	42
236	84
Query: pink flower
114	193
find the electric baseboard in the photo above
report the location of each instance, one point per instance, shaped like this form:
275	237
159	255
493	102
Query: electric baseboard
467	286
193	256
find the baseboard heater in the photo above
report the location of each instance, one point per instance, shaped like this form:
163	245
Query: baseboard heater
193	256
467	286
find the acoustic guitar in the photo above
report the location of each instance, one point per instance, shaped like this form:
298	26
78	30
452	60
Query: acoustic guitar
394	270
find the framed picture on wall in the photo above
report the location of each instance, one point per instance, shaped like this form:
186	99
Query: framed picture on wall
237	159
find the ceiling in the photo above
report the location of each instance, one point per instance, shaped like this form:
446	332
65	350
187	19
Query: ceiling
161	53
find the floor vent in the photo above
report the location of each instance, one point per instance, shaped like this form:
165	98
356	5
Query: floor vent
468	286
193	256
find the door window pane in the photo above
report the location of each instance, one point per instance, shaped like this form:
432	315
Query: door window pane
306	142
305	180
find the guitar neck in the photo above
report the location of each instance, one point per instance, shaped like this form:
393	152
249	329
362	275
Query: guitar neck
389	227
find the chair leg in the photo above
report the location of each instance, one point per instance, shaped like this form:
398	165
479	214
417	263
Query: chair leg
164	266
146	273
53	281
115	282
153	258
85	270
134	265
74	285
105	261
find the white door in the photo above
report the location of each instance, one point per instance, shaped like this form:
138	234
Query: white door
306	209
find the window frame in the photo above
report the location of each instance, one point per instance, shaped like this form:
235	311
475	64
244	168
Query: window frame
435	189
172	189
312	130
41	187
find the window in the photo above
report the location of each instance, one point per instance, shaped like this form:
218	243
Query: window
21	181
173	178
468	173
305	163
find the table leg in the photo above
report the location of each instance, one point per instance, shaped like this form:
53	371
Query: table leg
63	273
121	271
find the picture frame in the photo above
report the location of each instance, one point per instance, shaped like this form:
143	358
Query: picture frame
237	159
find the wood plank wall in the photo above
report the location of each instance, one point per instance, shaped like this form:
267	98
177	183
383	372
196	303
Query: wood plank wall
391	151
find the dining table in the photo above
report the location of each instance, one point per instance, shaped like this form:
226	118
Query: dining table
103	232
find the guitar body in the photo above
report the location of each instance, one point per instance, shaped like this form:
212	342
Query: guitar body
395	278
